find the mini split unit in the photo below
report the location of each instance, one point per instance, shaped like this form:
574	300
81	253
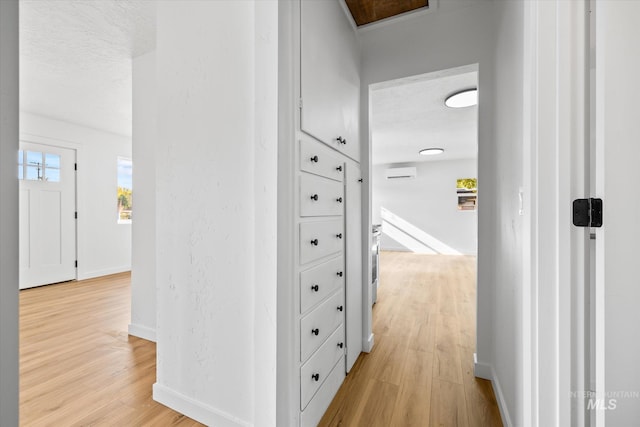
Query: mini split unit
400	173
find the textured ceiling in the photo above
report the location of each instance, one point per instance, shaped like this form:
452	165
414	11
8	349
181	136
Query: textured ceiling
409	115
75	58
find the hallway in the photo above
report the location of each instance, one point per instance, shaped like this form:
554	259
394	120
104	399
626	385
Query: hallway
420	372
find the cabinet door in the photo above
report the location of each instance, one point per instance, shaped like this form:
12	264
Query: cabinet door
330	81
354	294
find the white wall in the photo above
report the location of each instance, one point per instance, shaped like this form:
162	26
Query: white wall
428	202
507	223
8	214
216	210
143	233
104	246
438	40
617	315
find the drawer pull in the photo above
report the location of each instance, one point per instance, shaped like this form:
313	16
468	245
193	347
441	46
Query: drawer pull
339	273
340	344
339	235
340	308
314	242
341	140
360	180
314	197
339	200
339	168
315	288
315	377
315	331
314	159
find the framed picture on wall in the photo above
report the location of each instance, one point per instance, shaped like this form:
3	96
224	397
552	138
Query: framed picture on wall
467	192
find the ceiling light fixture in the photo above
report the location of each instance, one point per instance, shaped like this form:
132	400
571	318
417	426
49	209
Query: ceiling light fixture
431	151
464	98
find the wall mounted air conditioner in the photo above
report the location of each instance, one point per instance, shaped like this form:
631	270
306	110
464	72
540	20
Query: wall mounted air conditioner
400	173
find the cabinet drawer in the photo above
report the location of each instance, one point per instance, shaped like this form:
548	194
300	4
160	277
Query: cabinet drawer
318	282
320	238
317	369
314	411
320	196
316	326
317	159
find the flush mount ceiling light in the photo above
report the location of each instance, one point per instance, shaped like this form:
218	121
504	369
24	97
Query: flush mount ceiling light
431	151
464	98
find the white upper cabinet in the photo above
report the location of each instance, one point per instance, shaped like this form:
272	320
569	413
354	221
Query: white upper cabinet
330	80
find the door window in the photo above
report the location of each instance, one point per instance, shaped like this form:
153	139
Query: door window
38	166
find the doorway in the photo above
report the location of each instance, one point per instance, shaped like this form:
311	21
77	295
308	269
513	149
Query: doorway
47	211
424	199
424	164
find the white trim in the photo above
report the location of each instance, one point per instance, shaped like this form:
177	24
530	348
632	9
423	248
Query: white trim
486	372
481	370
195	409
142	331
367	345
553	173
348	14
502	403
106	272
529	387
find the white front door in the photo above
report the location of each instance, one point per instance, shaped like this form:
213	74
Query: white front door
47	214
617	289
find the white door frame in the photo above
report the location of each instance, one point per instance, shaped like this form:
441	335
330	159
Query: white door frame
44	143
555	171
54	142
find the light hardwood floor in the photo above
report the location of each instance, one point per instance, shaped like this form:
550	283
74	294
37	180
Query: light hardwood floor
78	366
420	372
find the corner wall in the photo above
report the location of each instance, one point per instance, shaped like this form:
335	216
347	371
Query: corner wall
216	163
143	232
507	224
9	213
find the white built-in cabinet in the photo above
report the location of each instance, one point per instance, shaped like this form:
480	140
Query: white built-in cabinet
328	192
353	292
330	77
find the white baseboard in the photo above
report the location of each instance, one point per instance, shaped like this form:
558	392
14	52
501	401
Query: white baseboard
84	275
486	371
194	409
502	404
141	331
367	344
481	370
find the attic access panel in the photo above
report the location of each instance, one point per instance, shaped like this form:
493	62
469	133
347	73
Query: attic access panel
368	11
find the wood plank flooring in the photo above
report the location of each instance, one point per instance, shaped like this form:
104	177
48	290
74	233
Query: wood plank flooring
420	372
78	366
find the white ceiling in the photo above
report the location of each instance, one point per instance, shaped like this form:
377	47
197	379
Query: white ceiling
75	58
409	115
